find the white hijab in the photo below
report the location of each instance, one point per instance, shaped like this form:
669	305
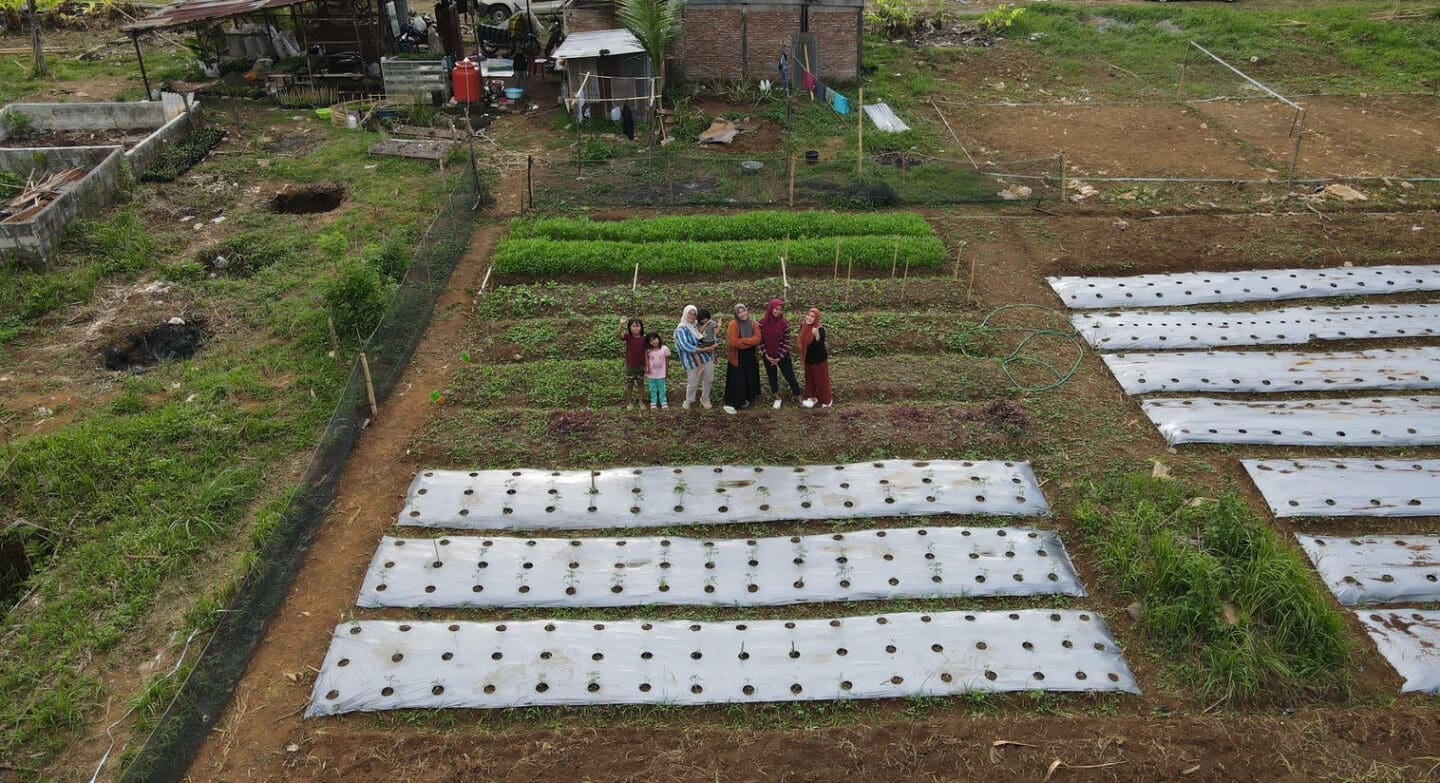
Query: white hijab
685	324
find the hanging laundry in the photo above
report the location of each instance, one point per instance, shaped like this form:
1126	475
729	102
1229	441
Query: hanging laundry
820	91
627	122
810	82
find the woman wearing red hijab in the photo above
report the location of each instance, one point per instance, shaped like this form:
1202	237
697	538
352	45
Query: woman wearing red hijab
776	331
816	360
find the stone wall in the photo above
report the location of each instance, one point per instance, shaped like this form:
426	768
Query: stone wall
32	242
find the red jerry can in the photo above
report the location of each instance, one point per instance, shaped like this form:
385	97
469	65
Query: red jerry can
466	82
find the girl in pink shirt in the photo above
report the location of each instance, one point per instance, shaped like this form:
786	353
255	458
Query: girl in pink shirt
657	357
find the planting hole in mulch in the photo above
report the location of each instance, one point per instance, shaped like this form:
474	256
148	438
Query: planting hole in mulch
171	341
308	200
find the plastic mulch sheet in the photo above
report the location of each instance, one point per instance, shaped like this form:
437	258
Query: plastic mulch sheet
1151	330
1276	372
1375	421
1410	640
707	495
382	665
1377	569
1348	487
1260	285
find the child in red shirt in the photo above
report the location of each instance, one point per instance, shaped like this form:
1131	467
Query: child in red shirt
632	332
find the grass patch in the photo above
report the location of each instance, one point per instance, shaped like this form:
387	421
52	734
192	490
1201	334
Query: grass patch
159	497
1218	588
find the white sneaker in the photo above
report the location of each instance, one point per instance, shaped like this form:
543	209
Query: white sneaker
807	403
729	410
686	405
777	404
828	405
705	405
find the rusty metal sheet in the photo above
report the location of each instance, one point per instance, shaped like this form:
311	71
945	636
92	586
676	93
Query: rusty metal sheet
192	11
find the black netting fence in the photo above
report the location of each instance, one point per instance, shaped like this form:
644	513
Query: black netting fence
194	712
728	179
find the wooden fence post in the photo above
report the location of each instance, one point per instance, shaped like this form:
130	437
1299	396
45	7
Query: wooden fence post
369	386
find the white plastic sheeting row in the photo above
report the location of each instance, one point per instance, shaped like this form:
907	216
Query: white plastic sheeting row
1410	640
1377	569
868	565
1171	329
1348	487
657	496
1279	371
1262	285
1378	421
381	665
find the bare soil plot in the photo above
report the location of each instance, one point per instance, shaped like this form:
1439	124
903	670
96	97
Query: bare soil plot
1146	140
1344	136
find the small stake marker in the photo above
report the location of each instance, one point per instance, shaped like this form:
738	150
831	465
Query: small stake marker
369	385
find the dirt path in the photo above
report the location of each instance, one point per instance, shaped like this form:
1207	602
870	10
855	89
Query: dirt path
265	714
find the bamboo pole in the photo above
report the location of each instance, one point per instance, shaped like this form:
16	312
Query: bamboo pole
530	181
486	281
905	280
849	269
860	135
635	279
334	339
970	285
895	258
369	386
784	277
792	180
836	276
1062	178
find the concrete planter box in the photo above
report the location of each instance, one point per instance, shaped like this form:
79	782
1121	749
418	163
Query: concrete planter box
32	242
170	118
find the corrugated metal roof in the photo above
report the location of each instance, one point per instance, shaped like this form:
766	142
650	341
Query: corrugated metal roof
191	11
885	118
596	42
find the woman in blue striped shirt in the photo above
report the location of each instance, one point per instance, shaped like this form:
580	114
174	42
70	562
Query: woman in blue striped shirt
699	361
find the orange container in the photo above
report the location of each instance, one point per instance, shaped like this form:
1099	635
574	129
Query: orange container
465	80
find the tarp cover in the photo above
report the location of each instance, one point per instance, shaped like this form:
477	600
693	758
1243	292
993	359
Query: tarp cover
1279	371
1170	329
385	665
1264	285
1410	640
696	495
865	565
1378	421
1348	487
1377	569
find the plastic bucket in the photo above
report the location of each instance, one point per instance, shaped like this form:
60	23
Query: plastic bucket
514	93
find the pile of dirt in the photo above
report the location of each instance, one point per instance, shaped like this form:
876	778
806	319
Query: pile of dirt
171	341
308	200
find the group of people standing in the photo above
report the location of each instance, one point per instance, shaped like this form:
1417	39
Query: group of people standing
748	342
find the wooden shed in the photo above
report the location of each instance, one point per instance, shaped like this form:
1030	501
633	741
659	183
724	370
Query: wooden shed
605	70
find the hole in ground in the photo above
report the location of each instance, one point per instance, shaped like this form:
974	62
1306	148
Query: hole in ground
170	341
308	199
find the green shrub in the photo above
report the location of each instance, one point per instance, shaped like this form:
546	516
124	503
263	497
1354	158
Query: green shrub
356	298
391	258
717	228
332	243
550	257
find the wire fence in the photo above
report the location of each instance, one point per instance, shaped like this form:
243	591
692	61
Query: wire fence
728	179
193	713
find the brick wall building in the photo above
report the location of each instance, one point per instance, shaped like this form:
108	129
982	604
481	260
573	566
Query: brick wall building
725	39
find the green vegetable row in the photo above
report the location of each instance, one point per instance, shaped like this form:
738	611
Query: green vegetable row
720	228
546	256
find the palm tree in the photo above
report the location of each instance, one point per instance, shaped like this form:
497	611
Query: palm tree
656	25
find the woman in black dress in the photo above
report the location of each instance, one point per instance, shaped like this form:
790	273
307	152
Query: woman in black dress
742	377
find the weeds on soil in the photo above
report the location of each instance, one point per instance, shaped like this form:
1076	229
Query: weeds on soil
1215	585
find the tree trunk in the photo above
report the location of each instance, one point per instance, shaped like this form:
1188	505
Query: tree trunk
39	69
